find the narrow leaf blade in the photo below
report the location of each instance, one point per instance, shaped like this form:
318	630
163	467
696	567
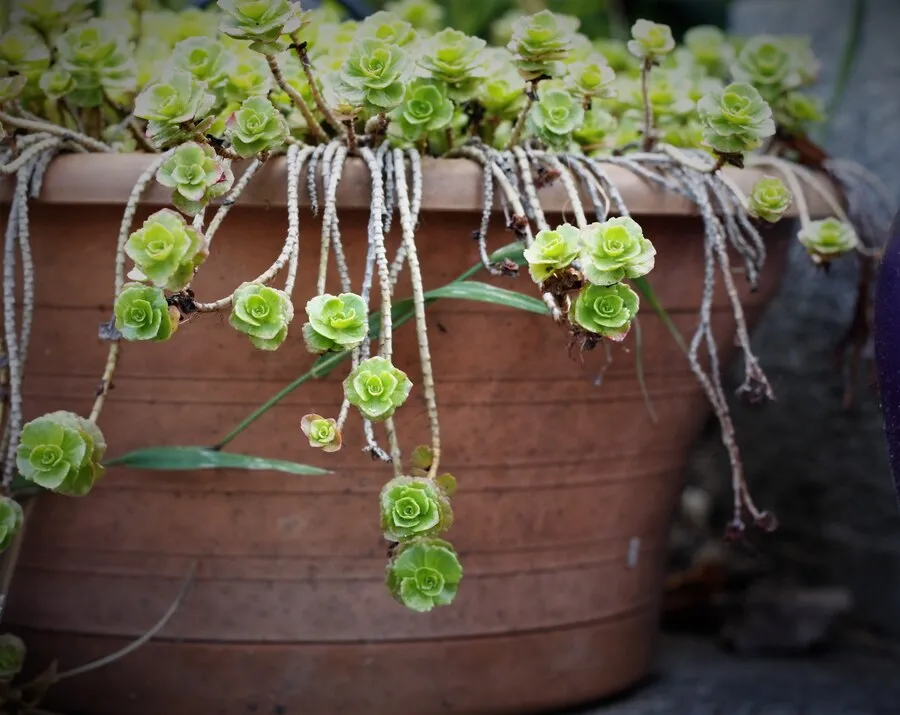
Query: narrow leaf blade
187	458
643	285
486	293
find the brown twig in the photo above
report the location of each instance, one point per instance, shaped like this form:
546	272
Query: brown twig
298	101
300	48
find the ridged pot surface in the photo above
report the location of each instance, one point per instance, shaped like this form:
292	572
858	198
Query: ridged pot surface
566	492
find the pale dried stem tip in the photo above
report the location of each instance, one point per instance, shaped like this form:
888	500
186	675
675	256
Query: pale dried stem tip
712	383
611	189
67	134
415	272
530	190
376	236
231	198
530	95
149	635
599	197
345	405
571	190
199	220
300	103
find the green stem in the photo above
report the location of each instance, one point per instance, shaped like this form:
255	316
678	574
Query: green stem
531	94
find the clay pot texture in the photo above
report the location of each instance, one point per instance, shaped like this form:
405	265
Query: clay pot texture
566	487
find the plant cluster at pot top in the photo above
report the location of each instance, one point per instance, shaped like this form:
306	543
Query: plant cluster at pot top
216	94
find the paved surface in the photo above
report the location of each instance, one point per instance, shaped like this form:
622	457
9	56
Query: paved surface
696	678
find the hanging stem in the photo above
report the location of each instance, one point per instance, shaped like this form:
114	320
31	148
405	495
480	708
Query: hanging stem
67	134
124	232
415	272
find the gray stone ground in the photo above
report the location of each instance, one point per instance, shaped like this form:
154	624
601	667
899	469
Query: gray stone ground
696	678
822	470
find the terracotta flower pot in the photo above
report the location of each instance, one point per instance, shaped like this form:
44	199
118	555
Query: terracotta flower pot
566	486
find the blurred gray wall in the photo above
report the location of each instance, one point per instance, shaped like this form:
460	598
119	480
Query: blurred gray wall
824	471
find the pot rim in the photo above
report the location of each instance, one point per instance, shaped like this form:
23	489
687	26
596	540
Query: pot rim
450	185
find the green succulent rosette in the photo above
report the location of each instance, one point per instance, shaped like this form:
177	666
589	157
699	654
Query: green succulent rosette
709	47
377	388
387	27
12	656
552	251
796	111
142	313
196	175
316	343
11	88
590	77
342	321
374	75
262	22
555	116
424	573
178	98
828	239
766	62
61	451
769	199
56	83
597	129
736	119
100	59
650	40
425	15
256	127
49	16
24	51
166	250
11	519
246	75
542	42
426	108
502	92
606	311
455	58
413	506
614	250
323	433
205	58
263	313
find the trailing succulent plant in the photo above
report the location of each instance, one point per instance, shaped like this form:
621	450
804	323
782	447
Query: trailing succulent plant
216	94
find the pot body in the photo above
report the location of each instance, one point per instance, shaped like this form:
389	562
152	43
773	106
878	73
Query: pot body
566	490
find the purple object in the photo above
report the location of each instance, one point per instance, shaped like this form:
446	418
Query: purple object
887	346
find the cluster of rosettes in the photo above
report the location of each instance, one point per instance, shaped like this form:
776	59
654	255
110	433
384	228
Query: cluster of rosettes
209	73
424	570
593	262
374	386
